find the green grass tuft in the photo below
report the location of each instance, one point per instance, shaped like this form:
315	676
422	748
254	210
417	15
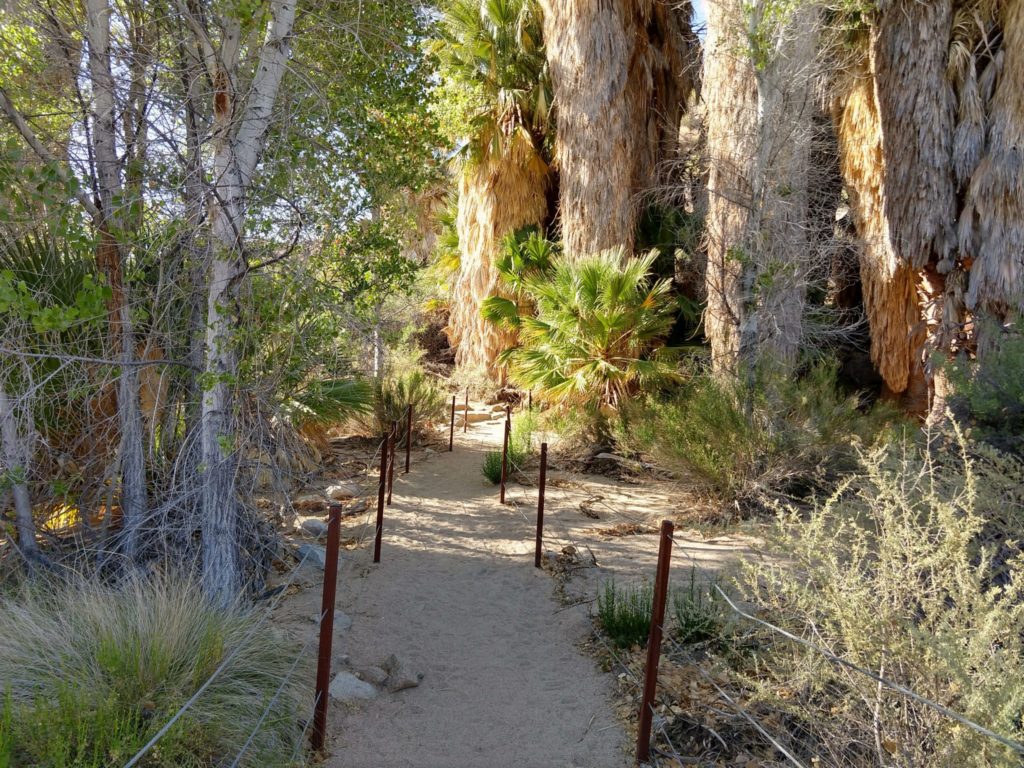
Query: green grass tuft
625	613
91	673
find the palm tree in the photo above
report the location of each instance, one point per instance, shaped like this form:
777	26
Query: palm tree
491	52
598	332
938	203
623	71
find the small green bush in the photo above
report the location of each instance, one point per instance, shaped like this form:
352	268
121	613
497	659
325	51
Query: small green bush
625	612
697	610
784	438
993	392
392	396
520	448
492	466
901	573
90	674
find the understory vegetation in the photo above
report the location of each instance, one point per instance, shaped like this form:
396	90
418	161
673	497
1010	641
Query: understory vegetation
913	571
91	673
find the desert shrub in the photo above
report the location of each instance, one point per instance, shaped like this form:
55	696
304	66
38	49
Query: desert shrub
697	610
625	612
89	674
901	573
993	392
520	448
392	395
786	438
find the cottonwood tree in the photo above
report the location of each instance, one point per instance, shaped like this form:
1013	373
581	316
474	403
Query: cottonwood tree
759	84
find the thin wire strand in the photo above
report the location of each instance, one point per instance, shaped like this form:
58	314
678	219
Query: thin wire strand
832	657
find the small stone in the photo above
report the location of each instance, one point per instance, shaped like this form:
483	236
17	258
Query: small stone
344	491
313	554
347	687
374	675
310	501
314	527
391	664
357	508
404	682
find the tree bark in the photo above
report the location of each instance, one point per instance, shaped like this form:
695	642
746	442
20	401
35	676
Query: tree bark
622	71
16	461
761	123
236	154
110	257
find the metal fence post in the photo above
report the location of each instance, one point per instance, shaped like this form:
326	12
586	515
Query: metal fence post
465	415
504	459
392	439
384	451
451	431
643	739
408	438
323	662
540	503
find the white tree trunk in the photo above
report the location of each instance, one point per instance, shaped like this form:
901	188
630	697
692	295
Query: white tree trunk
111	255
235	160
15	461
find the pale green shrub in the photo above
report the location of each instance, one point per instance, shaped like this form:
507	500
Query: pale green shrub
902	572
625	612
786	437
89	674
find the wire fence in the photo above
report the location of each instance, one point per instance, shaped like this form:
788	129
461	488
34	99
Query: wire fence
294	667
778	742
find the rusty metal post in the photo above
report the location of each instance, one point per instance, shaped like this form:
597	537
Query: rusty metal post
323	661
540	503
531	399
451	431
384	451
408	438
504	459
392	439
465	415
643	739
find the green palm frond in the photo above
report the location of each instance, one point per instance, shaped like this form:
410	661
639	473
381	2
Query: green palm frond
330	401
598	332
494	49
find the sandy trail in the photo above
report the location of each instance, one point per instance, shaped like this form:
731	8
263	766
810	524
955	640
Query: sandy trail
457	598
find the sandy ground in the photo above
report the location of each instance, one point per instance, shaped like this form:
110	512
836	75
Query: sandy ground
456	598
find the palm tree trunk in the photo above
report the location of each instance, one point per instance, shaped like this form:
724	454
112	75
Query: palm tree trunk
992	221
497	196
622	71
896	130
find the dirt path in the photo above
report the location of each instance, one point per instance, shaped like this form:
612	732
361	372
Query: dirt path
457	599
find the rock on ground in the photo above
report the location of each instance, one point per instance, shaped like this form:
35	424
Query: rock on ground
347	687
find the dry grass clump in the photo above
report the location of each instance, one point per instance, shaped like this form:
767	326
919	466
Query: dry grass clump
90	673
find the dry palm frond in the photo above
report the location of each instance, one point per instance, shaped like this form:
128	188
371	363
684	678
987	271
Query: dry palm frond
622	72
992	222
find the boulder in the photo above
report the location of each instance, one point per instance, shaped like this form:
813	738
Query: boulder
312	554
347	687
357	508
310	501
344	491
313	526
